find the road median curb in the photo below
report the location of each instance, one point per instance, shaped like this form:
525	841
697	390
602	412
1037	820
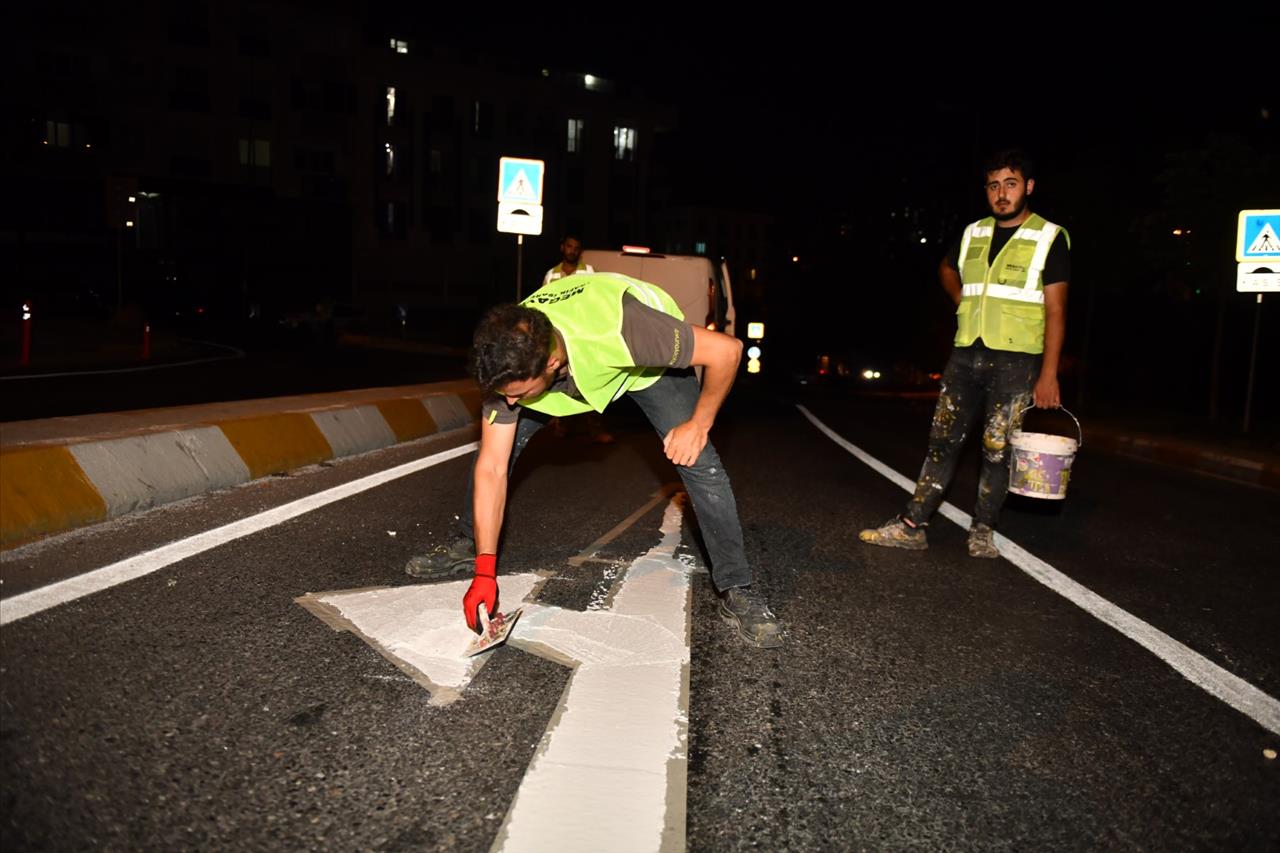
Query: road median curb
1183	455
64	473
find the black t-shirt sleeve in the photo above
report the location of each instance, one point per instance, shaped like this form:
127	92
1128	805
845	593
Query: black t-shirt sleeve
654	338
1057	266
953	253
495	410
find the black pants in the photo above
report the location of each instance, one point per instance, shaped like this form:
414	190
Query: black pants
977	380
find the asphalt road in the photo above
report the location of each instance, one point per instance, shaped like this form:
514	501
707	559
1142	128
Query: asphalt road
924	700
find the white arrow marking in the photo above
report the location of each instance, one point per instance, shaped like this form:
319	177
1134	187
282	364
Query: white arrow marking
611	770
418	628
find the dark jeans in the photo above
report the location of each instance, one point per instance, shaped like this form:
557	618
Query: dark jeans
667	403
977	380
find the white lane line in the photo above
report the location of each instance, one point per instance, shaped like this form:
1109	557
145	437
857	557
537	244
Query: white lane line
1199	670
30	603
589	553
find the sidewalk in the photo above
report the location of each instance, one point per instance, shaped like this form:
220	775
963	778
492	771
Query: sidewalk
1190	443
1216	448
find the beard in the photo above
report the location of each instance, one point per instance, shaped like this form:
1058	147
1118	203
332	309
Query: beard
1011	213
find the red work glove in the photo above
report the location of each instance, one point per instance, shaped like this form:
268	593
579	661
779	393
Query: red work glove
483	590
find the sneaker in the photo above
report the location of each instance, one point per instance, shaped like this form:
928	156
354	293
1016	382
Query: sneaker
756	624
444	560
895	533
980	542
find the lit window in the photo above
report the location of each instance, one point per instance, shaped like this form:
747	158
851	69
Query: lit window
255	152
573	140
57	133
700	248
624	143
399	46
391	105
393	219
391	159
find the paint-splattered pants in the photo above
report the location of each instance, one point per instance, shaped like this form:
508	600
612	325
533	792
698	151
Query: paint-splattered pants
977	381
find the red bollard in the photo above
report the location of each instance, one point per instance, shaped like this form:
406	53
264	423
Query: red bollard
26	334
146	341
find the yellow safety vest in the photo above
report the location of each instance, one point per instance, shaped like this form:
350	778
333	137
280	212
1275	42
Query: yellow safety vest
586	309
1002	299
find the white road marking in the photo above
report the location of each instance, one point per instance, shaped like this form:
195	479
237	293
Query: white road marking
33	602
610	773
419	628
1199	670
589	552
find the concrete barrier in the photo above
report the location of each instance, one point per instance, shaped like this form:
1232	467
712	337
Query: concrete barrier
64	473
142	471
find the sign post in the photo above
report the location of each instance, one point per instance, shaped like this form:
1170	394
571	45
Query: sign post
1257	271
520	203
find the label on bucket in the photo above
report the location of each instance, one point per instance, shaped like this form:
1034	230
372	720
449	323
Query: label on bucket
1040	465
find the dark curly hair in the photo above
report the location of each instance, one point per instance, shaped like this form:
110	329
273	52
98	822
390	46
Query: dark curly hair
511	343
1013	159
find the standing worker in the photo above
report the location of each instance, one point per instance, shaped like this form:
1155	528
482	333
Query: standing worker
571	264
1008	276
570	261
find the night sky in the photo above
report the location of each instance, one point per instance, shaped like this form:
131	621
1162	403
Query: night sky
862	140
832	128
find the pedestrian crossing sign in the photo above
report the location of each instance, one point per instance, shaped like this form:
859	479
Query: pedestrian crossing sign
1258	235
520	180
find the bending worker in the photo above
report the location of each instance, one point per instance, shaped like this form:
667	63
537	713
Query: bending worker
574	346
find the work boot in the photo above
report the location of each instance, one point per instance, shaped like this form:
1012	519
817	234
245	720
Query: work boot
980	542
895	533
747	611
442	561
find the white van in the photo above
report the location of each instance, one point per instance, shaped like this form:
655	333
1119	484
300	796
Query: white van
700	287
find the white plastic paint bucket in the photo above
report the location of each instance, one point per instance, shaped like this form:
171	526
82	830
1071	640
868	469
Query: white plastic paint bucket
1040	464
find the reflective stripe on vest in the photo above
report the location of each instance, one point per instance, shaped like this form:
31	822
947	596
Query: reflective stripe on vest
557	272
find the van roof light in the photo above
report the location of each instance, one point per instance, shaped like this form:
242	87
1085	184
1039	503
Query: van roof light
635	250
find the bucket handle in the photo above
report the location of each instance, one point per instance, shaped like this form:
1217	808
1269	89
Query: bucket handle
1079	429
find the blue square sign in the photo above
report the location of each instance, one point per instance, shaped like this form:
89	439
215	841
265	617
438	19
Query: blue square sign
520	180
1258	235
